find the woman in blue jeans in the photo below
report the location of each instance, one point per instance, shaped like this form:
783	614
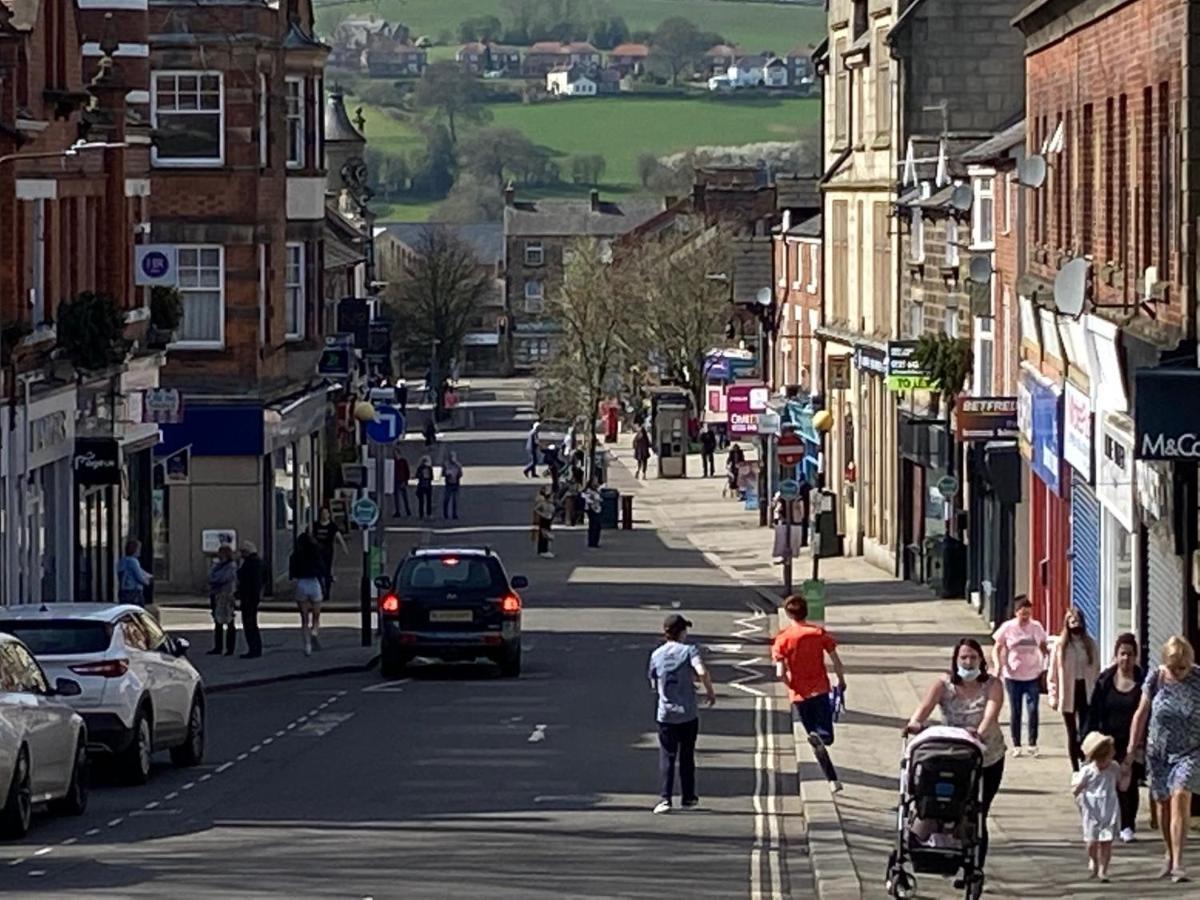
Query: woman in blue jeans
1020	654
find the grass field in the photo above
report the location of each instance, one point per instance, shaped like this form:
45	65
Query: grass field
754	26
622	128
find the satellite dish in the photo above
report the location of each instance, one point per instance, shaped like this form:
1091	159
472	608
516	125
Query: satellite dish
980	269
961	198
1070	284
764	296
1031	172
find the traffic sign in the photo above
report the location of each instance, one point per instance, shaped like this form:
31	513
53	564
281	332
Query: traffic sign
947	486
364	513
789	489
334	362
388	426
791	449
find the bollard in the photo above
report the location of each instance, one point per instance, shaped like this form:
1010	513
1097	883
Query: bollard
627	512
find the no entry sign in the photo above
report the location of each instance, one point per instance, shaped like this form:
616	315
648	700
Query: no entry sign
791	450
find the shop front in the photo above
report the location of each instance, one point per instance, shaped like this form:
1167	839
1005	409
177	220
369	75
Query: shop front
292	473
877	471
1085	507
1039	414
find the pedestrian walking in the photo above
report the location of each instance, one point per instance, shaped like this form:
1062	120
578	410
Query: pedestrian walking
452	473
424	476
967	696
430	433
675	666
326	532
400	477
307	568
222	585
531	450
1071	678
1095	791
250	580
1170	700
708	451
1020	656
799	653
593	503
1114	703
641	451
733	462
132	579
543	521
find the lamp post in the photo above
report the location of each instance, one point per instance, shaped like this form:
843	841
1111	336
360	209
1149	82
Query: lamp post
364	412
822	421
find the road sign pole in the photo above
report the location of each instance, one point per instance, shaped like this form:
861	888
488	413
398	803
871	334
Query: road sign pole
787	547
364	587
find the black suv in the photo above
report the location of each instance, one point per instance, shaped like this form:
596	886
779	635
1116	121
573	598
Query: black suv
450	604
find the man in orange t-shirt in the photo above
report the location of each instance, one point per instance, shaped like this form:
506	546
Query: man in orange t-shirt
799	653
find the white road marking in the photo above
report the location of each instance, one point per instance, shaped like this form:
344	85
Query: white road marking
538	735
37	873
188	786
242	756
91	832
69	841
43	851
172	795
17	862
151	805
115	822
224	766
256	748
205	777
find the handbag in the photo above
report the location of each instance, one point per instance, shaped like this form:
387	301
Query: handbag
1043	687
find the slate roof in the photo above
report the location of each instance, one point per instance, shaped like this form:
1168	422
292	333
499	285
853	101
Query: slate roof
809	228
338	126
998	144
753	261
297	39
797	192
576	218
485	238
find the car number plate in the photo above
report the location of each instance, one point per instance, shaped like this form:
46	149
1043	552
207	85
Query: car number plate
451	615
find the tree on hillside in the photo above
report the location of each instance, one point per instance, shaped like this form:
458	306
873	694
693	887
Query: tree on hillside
451	95
480	28
471	200
494	154
647	166
678	44
587	168
436	298
432	171
608	33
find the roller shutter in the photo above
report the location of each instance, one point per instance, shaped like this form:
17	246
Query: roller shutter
1085	553
1165	583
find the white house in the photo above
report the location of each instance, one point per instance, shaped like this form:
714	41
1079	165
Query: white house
752	72
775	73
570	82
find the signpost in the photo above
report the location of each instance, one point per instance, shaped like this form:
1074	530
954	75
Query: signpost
388	425
364	513
791	450
947	486
385	429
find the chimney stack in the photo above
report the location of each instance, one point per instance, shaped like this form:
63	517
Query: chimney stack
595	197
510	195
787	220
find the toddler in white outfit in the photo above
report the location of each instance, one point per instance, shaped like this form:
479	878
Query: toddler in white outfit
1095	791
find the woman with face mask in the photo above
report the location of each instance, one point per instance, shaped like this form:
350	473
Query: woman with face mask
968	697
1114	701
1074	665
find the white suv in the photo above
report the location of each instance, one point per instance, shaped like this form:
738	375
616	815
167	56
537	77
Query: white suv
139	692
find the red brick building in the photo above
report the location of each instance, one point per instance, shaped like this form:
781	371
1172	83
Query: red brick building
797	264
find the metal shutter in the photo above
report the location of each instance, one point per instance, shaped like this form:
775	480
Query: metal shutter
1085	554
1165	583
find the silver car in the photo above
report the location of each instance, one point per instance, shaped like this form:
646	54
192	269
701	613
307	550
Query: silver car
43	742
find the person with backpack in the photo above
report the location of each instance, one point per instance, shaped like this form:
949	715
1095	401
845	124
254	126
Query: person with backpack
307	568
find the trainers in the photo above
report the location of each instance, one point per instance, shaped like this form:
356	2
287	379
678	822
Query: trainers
691	803
1103	876
316	642
1018	751
1127	836
546	555
835	787
1034	751
663	806
1091	868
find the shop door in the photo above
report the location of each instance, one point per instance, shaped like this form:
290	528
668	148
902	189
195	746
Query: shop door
1050	524
1085	554
1164	572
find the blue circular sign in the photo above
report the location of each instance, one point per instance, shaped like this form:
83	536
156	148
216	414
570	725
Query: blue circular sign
155	264
789	489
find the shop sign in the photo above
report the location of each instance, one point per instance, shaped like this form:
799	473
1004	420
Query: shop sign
839	372
1077	429
986	418
1046	457
48	432
904	373
743	403
1167	414
162	406
868	359
97	461
211	539
1114	468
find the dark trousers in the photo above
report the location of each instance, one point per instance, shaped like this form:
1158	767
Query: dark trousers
677	742
1024	696
992	776
230	638
530	470
816	715
593	519
709	464
543	541
450	502
1076	723
641	467
425	501
401	496
250	626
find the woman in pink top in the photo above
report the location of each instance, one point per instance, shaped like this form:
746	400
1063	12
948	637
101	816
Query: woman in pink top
1020	656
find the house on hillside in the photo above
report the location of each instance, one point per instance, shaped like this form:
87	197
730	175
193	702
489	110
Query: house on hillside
629	59
350	38
608	81
776	73
544	56
388	57
479	57
800	66
719	58
751	72
572	81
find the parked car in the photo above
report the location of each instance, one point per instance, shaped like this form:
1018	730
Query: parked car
43	742
450	604
139	693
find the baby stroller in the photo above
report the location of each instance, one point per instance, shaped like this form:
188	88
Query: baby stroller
939	820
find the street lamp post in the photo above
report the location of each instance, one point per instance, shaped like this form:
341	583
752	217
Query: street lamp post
364	412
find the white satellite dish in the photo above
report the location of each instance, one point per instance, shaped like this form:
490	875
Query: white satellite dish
962	197
1070	285
980	269
764	296
1031	172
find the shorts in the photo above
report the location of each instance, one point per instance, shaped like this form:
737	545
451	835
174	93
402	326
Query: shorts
816	715
308	590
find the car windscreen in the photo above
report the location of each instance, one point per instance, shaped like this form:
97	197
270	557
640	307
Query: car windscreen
54	637
451	573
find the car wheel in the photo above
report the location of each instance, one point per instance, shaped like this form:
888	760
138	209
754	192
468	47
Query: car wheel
510	664
134	762
76	801
18	804
191	751
391	662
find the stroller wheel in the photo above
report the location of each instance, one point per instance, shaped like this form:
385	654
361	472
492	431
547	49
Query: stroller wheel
902	886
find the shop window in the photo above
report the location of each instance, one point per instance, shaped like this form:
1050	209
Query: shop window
187	111
283	475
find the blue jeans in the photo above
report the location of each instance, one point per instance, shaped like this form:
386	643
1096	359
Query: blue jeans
1030	693
450	502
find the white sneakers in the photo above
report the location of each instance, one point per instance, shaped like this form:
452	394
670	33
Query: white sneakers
546	555
1127	836
1018	751
663	806
1031	750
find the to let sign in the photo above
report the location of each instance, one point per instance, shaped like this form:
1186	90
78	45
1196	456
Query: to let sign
986	418
904	372
97	462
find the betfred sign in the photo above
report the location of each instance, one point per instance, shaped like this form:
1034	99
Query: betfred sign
986	418
743	403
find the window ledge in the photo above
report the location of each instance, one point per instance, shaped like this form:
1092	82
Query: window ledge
982	248
883	142
188	164
197	345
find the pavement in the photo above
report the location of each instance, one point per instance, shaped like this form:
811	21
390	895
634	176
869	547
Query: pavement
453	782
895	639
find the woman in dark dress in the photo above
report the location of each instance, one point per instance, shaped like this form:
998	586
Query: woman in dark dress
1115	699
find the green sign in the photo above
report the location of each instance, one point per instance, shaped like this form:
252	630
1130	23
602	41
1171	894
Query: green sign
904	373
910	383
947	486
814	593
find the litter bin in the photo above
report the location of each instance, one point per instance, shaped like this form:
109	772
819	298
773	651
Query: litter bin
610	500
627	512
946	566
825	530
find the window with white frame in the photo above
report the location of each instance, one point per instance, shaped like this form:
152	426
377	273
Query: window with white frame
950	321
951	242
187	111
318	121
798	262
916	319
916	234
814	251
264	154
533	296
1010	201
202	287
294	293
983	211
984	355
535	254
295	122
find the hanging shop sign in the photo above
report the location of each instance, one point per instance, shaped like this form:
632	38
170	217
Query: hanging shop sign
1114	467
986	418
870	359
904	372
1046	458
1077	430
1167	414
97	461
838	372
163	406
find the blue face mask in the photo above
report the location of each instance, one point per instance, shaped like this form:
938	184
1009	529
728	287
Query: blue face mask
967	674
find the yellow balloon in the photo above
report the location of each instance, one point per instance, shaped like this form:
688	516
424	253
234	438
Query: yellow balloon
822	420
364	411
